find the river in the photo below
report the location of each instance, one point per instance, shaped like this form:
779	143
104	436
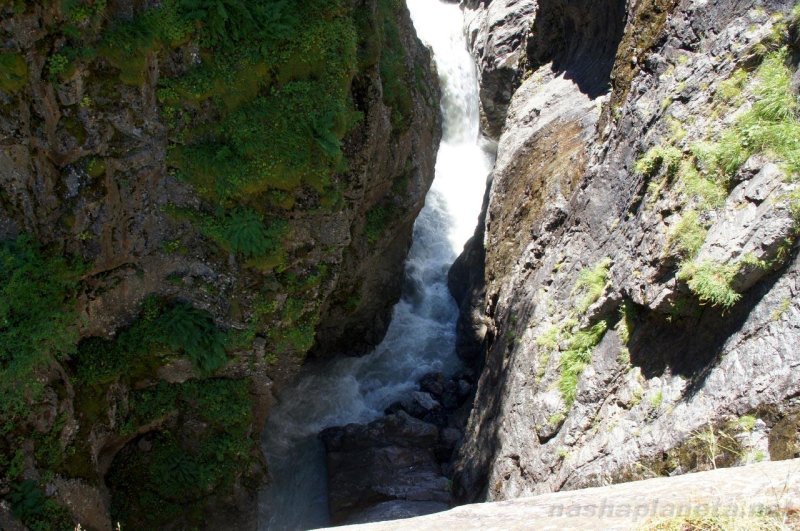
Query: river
421	336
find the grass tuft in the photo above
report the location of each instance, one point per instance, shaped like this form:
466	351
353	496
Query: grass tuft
576	357
711	282
592	282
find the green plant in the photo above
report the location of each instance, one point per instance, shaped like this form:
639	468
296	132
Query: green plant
37	294
549	338
730	90
244	232
747	422
162	332
172	480
705	193
657	399
627	319
592	282
688	235
556	418
13	72
711	281
378	220
57	65
576	357
36	511
770	126
194	332
658	157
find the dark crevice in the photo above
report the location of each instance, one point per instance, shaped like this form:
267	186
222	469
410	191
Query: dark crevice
580	38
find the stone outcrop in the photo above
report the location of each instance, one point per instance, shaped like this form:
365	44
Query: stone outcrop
399	465
768	489
496	33
603	359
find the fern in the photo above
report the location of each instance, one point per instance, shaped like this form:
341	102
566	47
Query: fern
195	332
322	131
227	22
245	233
27	500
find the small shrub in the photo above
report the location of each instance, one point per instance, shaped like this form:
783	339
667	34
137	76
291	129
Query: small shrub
37	512
57	65
37	293
175	478
194	331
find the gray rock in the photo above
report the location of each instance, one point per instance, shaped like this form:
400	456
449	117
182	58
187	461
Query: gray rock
391	458
564	197
497	33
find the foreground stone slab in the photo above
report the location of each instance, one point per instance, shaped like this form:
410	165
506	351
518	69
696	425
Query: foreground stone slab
741	490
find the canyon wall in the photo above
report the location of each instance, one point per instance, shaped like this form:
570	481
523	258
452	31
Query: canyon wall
637	313
192	201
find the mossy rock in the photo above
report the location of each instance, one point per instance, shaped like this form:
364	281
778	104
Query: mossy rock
13	72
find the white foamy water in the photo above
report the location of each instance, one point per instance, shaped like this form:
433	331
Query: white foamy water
421	336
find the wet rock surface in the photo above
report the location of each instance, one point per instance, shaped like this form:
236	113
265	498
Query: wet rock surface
398	466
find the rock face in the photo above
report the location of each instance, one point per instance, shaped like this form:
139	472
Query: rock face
638	311
496	33
399	465
763	489
85	170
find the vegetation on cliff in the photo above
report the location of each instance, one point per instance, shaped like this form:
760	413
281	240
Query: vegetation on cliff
256	101
703	172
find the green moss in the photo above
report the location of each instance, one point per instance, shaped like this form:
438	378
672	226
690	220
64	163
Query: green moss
13	72
37	321
379	218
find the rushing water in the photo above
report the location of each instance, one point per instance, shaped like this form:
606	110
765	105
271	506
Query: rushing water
421	336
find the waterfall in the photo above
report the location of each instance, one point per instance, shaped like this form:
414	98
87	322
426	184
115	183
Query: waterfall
421	336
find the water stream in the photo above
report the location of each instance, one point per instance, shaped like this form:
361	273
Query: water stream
421	336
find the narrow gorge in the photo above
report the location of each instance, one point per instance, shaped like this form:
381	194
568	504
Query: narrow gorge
277	265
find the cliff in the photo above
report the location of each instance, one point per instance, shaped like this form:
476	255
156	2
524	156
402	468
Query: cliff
637	315
194	196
